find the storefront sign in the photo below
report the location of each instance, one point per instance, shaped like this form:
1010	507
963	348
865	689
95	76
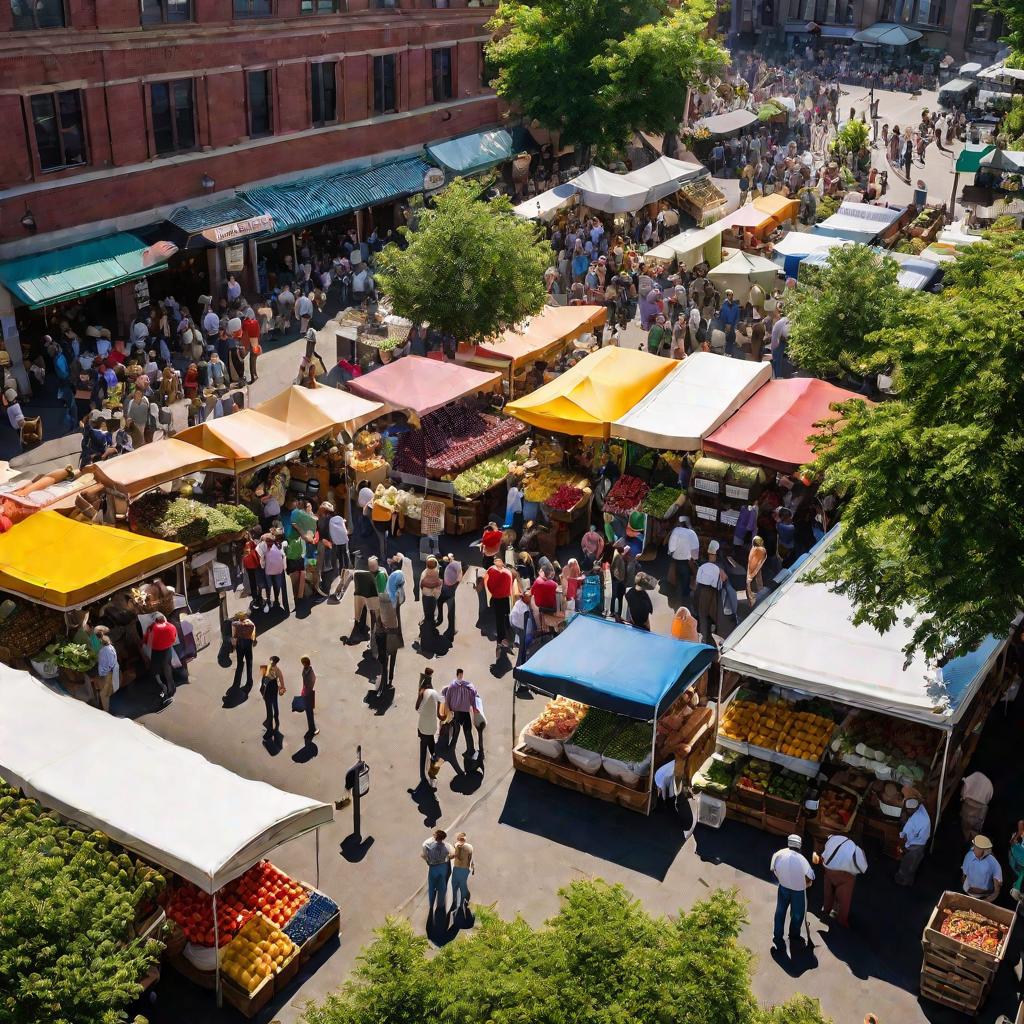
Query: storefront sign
433	179
142	293
234	258
239	229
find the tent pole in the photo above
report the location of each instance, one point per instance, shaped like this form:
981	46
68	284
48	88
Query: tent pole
942	786
317	834
654	740
216	946
515	686
952	196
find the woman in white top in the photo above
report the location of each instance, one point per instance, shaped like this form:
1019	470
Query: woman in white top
428	707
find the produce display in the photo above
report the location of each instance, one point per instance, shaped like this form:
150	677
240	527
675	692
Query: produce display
262	888
596	729
716	777
905	746
776	724
259	950
185	520
560	719
625	496
484	475
972	929
755	775
397	499
310	918
565	498
787	785
836	809
542	484
29	629
74	657
659	500
245	518
632	743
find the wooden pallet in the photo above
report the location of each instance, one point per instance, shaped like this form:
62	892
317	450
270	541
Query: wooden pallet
951	997
570	777
955	962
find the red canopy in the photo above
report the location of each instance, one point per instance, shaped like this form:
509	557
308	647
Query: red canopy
772	427
419	385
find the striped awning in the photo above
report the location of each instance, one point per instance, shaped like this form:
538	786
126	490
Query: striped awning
307	200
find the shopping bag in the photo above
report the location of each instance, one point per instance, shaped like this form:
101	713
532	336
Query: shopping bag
299	704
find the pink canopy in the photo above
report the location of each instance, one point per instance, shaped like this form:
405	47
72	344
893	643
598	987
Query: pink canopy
772	427
418	385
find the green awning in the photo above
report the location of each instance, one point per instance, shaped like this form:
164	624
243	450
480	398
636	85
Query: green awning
319	198
472	153
970	158
82	269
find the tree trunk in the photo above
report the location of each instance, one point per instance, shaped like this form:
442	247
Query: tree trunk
670	144
584	153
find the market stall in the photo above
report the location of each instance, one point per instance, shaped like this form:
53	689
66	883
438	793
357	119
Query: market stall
207	827
132	474
664	176
795	246
724	126
702	199
627	701
860	222
698	245
782	208
59	490
837	714
741	272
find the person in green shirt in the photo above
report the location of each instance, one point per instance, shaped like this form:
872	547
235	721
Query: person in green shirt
656	336
295	562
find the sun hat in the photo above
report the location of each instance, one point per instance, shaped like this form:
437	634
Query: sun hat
794	842
982	843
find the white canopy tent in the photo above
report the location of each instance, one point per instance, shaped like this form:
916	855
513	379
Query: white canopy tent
743	270
663	176
1011	160
609	192
731	123
692	246
1001	73
860	220
547	204
887	34
166	803
692	402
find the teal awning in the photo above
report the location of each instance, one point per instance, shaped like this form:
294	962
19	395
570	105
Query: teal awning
82	269
319	198
473	153
970	158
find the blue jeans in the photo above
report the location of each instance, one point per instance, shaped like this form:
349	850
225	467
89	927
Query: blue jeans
437	883
796	903
460	886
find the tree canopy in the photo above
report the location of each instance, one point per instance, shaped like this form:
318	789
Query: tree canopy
597	70
934	480
471	268
1013	18
601	960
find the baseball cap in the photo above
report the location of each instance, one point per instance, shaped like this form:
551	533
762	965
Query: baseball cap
713	547
794	842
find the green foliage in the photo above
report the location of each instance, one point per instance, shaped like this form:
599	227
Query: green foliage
1013	18
1013	124
471	269
66	905
601	960
854	295
827	206
70	655
850	138
597	70
935	480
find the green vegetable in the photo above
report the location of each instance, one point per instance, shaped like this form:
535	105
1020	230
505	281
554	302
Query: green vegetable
631	743
595	730
659	500
240	514
483	475
72	656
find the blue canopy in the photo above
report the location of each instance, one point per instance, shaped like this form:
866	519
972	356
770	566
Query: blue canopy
615	667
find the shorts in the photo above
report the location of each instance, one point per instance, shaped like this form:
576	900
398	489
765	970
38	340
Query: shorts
295	565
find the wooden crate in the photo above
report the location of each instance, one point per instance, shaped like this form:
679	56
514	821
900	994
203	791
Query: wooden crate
248	1004
289	969
738	812
950	966
320	938
948	995
568	776
203	979
783	826
961	901
779	808
749	798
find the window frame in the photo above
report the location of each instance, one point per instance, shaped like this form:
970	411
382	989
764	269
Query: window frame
35	27
268	74
54	98
163	19
170	84
437	77
249	13
310	8
379	109
317	94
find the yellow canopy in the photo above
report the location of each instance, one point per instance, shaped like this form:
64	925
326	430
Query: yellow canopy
553	325
63	564
323	408
782	208
139	471
601	388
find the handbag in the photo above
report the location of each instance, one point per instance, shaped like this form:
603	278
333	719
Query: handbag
299	703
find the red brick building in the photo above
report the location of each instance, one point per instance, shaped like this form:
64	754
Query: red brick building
118	112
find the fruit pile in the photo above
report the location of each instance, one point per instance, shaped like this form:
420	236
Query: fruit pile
540	486
559	720
596	730
625	496
777	725
889	739
659	500
262	888
484	475
755	776
716	777
310	918
972	929
257	951
836	809
787	785
185	520
565	498
29	629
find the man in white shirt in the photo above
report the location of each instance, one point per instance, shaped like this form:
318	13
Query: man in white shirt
794	875
694	323
843	860
517	619
683	549
915	835
975	795
710	580
363	527
304	311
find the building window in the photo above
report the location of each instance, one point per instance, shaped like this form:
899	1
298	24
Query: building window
174	116
381	4
324	93
441	74
38	14
985	27
163	12
261	103
320	6
60	136
252	8
487	72
384	84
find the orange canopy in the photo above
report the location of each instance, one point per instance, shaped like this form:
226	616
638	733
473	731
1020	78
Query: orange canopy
552	325
139	471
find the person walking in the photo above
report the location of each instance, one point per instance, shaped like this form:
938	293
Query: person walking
161	638
975	796
428	709
638	601
498	583
108	671
295	563
437	854
710	579
756	558
490	544
915	835
430	591
275	565
243	640
271	688
462	868
519	619
449	585
387	635
309	697
623	577
460	698
479	723
981	875
794	875
683	549
842	860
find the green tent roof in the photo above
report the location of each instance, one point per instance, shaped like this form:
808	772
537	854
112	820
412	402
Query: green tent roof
330	195
970	158
472	153
77	270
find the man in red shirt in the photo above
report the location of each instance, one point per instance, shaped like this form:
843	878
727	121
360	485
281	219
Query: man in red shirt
545	592
161	638
498	581
490	544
